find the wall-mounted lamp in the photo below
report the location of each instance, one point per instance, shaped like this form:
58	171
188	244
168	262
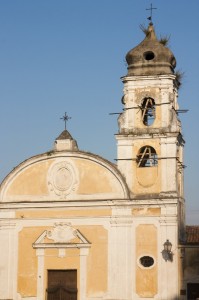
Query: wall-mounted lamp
167	253
167	246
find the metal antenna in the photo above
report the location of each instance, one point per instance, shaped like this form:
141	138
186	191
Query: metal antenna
151	9
65	118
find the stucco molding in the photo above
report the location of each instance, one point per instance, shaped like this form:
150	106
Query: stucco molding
62	235
121	221
62	178
5	224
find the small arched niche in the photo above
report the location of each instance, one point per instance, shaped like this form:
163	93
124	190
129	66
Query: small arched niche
148	111
147	157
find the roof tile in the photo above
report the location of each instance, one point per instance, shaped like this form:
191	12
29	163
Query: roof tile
192	234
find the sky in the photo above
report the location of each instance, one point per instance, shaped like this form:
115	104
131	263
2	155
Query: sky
60	56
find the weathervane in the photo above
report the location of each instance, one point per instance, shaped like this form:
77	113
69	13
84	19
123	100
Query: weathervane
65	118
151	9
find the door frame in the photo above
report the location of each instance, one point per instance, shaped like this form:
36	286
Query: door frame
82	273
62	235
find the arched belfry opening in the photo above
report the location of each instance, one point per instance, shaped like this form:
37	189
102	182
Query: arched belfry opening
148	111
147	157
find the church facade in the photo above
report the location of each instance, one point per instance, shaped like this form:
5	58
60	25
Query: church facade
76	226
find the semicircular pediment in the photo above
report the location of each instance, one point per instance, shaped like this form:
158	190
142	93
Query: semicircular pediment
65	176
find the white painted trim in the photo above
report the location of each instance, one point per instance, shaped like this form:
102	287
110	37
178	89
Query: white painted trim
83	273
99	204
40	274
15	260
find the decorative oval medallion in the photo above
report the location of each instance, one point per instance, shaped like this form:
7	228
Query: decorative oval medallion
62	179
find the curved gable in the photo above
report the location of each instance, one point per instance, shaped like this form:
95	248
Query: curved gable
63	176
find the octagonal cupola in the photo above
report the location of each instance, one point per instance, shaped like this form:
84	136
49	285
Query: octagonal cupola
150	57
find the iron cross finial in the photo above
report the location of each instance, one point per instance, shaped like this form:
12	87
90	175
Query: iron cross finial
65	118
151	9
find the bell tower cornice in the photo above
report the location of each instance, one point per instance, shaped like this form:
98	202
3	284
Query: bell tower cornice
147	77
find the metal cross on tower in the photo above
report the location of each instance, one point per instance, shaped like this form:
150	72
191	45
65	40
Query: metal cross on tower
151	9
65	118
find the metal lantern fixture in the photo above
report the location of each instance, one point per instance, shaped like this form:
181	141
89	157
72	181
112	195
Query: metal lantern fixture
167	254
167	246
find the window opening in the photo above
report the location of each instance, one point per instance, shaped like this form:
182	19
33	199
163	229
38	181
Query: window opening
149	55
148	111
147	157
147	261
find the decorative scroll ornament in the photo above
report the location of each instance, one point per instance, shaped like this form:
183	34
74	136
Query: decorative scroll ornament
62	179
62	233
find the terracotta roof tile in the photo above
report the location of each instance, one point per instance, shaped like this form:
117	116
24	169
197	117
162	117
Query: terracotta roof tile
192	234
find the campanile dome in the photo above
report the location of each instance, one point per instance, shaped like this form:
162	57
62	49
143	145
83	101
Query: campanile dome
150	57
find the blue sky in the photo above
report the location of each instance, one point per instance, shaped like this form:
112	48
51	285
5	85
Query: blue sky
64	55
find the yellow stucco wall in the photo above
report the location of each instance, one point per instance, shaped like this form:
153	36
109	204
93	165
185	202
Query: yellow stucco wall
146	211
95	179
97	259
31	180
146	245
27	261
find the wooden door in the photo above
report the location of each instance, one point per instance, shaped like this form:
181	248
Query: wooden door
62	285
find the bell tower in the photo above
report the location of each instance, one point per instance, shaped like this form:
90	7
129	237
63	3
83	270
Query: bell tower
150	143
150	157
